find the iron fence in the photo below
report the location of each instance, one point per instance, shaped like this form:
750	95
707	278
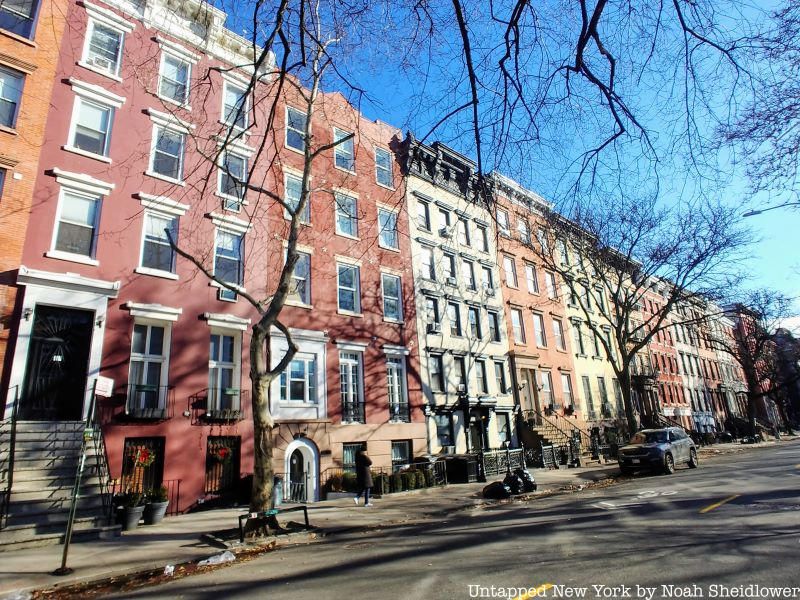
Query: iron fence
353	412
150	402
499	462
400	412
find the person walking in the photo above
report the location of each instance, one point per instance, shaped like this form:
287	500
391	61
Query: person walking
363	476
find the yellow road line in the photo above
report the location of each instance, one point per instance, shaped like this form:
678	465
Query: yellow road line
711	507
533	592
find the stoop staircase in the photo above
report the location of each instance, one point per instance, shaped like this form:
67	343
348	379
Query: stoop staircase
539	429
38	465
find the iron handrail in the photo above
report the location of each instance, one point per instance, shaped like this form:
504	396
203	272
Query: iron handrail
12	421
545	418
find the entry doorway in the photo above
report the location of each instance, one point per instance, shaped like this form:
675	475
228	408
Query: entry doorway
54	387
301	471
297	477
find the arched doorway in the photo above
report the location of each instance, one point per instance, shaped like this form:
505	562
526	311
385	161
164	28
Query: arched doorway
301	482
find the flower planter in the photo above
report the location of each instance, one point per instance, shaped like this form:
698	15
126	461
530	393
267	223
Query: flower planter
130	517
154	512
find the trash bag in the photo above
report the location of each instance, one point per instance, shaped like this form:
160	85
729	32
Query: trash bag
497	491
528	482
218	559
514	483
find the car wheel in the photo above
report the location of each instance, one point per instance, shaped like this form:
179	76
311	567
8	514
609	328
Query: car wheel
693	462
669	464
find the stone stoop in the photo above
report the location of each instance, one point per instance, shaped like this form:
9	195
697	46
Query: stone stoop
45	463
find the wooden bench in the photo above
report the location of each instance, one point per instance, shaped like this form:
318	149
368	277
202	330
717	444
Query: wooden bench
263	518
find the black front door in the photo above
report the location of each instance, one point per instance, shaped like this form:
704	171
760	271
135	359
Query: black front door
297	477
58	361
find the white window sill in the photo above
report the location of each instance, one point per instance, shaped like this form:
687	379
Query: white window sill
76	258
384	186
301	152
174	102
241	201
155	175
238	289
8	130
295	404
342	169
388	248
348	236
94	69
87	154
19	38
349	313
394	321
156	273
297	304
287	217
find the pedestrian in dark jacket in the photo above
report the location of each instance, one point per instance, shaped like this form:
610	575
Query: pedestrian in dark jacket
363	476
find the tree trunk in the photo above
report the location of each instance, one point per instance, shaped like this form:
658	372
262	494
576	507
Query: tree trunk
751	412
630	414
263	474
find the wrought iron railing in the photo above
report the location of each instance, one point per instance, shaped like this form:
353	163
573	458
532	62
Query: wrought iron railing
150	402
94	433
388	480
353	412
400	412
499	462
173	492
8	470
214	405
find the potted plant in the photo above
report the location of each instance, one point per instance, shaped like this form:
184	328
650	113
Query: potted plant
156	507
130	509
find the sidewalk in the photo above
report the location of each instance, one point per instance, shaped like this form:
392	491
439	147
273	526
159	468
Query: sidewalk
178	539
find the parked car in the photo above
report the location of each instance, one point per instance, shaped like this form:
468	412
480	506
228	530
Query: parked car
657	450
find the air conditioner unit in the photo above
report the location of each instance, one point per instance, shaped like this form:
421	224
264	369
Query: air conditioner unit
434	328
444	232
451	281
100	62
461	387
489	291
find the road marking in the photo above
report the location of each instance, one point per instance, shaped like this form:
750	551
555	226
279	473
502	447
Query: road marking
711	507
534	592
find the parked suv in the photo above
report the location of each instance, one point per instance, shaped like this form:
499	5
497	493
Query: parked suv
658	450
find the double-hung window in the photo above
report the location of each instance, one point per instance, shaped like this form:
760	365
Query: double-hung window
168	152
444	429
538	328
494	326
428	268
550	282
587	396
483	236
298	383
17	16
2	181
392	304
229	257
223	373
423	215
463	232
578	334
503	224
510	268
500	377
468	272
351	386
546	388
517	326
566	389
480	376
524	231
431	310
401	455
454	316
10	94
383	168
396	387
104	48
292	196
436	372
486	278
346	215
387	229
77	224
148	368
92	129
558	333
349	295
232	180
295	129
300	289
173	80
530	277
157	253
235	106
474	316
344	150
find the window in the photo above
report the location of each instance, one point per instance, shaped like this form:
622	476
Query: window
524	231
550	283
563	252
503	428
92	128
137	477
546	389
223	465
383	168
500	377
298	383
454	316
576	330
483	236
349	452
401	455
292	196
296	122
157	253
460	368
300	290
349	288
566	389
486	278
517	326
450	268
428	269
480	376
558	333
423	215
2	181
234	110
468	271
444	222
432	310
510	267
392	305
494	326
173	81
463	232
541	236
223	373
530	277
352	387
104	51
232	179
346	216
618	395
396	382
77	224
17	16
474	317
436	371
168	153
148	367
344	150
597	345
387	226
587	396
538	328
605	407
444	429
502	223
228	257
10	95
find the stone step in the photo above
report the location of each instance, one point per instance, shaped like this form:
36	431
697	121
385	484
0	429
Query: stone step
48	436
30	481
34	450
52	493
45	426
47	517
32	538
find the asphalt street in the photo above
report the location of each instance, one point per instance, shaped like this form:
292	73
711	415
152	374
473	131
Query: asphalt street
709	533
